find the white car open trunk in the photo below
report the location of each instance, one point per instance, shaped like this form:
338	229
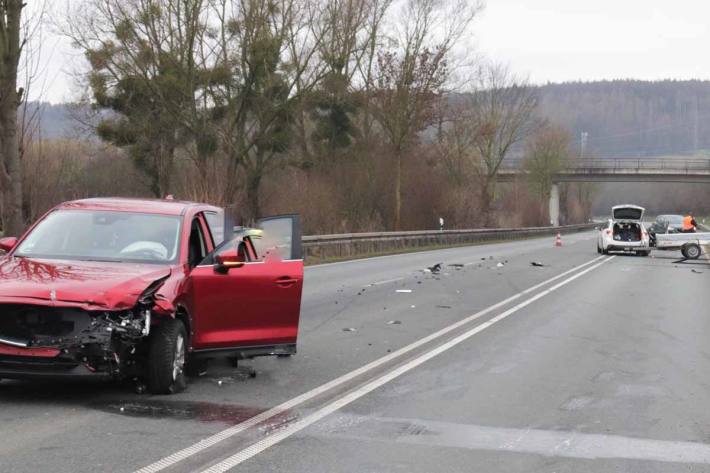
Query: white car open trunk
627	223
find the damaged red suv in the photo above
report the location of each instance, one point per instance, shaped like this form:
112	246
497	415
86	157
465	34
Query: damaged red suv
119	288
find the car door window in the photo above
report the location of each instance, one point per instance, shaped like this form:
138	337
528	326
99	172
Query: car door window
197	244
280	235
215	224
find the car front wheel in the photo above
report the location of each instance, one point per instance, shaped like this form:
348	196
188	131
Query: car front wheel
166	357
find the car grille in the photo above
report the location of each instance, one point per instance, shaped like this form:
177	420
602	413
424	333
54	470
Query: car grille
29	322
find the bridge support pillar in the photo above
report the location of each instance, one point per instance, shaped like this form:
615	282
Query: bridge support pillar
555	205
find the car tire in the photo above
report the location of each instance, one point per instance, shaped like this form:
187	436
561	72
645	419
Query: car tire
599	249
605	251
642	253
692	251
166	357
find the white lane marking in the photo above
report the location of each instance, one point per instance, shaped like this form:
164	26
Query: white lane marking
386	281
338	404
549	443
290	404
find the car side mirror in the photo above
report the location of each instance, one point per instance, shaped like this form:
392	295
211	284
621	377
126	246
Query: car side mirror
227	260
7	243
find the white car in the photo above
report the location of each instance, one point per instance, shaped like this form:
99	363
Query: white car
624	232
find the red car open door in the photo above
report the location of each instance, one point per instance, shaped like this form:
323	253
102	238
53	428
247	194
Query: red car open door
255	302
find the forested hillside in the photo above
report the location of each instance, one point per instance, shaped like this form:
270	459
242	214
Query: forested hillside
632	118
622	118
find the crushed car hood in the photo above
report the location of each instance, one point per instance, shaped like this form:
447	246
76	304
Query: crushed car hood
88	284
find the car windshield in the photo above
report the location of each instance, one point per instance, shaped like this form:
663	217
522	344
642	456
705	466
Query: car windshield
675	219
104	236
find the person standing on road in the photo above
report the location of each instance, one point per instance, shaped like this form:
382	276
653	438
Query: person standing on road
689	224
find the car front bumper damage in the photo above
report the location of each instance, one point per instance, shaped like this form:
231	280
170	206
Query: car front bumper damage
43	341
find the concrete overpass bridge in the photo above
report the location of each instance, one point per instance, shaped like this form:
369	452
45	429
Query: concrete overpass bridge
681	170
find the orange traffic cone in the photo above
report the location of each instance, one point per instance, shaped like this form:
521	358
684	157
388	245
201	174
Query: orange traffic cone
558	240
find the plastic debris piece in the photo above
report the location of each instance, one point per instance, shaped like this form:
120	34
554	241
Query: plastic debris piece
349	329
404	291
394	322
536	264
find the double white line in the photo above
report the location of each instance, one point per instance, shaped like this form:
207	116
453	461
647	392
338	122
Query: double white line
280	435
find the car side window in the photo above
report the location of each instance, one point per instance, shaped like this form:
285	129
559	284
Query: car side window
197	244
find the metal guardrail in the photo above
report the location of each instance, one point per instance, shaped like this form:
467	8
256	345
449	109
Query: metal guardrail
353	244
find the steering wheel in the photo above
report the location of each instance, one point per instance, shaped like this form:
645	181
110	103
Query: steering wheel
146	250
145	253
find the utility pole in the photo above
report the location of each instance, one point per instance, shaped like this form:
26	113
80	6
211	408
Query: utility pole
695	125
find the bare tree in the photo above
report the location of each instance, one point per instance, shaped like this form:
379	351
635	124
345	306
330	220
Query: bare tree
410	75
501	113
268	50
11	45
546	154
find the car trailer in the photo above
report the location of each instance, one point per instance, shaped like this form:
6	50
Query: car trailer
689	244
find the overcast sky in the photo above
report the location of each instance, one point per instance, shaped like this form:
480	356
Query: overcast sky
546	40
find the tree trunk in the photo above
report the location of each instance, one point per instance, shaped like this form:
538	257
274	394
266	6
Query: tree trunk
11	172
398	190
253	190
165	169
487	197
12	215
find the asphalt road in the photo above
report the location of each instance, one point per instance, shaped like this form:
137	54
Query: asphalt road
587	364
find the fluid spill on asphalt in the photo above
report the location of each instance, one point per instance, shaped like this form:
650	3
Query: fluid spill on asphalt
181	410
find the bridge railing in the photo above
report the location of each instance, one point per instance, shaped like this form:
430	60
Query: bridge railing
628	164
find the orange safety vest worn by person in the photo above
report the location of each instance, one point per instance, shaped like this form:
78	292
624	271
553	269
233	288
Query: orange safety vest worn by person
688	224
